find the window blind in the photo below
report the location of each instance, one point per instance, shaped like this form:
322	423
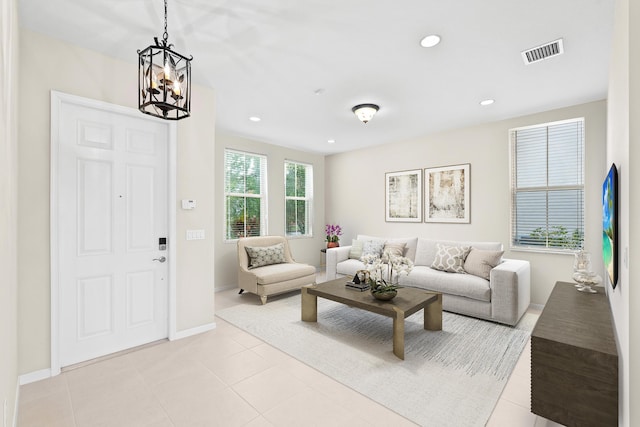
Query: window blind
547	185
298	198
245	187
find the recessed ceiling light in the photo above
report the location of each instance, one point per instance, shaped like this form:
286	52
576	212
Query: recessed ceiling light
430	40
255	118
486	102
331	141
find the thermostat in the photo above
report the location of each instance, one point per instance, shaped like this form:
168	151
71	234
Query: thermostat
188	204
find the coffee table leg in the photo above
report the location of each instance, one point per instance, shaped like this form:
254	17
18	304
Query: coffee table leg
433	315
398	333
309	306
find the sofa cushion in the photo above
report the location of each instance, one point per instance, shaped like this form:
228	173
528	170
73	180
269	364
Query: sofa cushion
464	285
410	243
372	247
260	256
349	267
277	273
356	249
395	249
480	262
450	258
426	248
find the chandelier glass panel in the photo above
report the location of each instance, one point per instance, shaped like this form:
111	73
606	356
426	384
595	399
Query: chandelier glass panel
164	79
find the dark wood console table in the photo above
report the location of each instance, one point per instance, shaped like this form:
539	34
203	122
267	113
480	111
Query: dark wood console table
574	360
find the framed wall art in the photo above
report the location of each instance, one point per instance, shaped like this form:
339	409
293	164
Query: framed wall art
610	225
447	194
403	196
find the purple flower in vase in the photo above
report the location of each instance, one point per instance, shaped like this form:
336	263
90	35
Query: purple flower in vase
333	232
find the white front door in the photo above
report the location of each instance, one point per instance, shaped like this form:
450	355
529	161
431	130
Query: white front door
112	211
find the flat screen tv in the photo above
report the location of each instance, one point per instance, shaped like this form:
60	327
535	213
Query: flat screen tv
610	225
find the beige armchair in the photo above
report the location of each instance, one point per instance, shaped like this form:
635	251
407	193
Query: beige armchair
271	271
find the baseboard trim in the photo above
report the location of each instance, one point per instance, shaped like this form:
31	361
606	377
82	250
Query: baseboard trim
224	288
536	306
193	331
32	377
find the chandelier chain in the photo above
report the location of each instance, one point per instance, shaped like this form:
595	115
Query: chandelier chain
165	35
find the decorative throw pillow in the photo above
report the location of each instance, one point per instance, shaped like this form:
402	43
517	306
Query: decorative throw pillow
396	249
373	247
480	262
450	258
259	256
356	249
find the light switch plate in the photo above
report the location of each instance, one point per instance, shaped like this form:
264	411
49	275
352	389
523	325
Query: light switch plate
188	204
195	234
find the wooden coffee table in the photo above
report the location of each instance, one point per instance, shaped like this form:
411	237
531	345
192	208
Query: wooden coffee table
407	302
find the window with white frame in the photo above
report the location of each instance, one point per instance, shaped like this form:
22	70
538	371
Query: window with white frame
547	186
298	178
245	194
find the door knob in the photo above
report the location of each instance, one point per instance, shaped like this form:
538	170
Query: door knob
161	259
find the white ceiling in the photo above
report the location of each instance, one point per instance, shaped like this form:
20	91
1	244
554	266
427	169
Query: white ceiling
268	58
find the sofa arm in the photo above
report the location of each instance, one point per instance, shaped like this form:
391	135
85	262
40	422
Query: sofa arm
510	284
247	280
334	256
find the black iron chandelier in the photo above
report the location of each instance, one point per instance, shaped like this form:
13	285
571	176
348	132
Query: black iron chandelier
164	80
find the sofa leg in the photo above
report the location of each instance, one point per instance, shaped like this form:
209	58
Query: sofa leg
263	298
241	291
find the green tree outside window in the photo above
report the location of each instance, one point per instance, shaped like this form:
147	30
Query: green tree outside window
245	194
298	198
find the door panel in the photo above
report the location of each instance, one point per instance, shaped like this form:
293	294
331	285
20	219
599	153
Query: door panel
140	298
95	214
112	203
95	306
140	208
99	135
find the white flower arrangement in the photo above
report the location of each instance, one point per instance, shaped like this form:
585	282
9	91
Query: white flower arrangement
382	270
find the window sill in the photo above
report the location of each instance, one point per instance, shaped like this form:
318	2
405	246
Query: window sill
298	236
544	251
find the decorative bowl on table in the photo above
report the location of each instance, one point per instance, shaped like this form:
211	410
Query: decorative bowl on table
382	291
384	295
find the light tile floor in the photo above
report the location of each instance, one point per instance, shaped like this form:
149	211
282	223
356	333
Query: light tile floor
225	377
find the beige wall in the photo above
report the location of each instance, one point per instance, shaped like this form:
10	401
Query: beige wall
47	64
8	207
195	177
622	149
355	188
304	249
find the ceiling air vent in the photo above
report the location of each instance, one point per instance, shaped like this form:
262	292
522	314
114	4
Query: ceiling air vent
542	52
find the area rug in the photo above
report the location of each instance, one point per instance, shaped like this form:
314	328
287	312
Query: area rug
452	377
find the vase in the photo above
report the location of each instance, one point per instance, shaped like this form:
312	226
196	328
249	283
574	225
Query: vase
385	296
333	244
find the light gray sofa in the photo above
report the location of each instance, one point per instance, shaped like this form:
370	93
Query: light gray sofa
503	298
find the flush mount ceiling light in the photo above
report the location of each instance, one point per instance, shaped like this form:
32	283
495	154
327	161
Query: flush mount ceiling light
430	40
255	119
164	79
486	102
365	112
